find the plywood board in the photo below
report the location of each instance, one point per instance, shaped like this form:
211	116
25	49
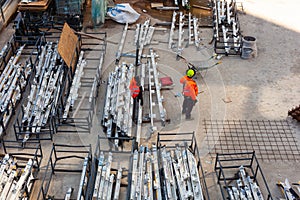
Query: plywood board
67	46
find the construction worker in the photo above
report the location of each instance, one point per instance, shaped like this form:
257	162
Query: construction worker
137	95
190	92
136	90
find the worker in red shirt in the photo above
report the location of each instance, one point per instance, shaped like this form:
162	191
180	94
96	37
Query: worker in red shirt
190	92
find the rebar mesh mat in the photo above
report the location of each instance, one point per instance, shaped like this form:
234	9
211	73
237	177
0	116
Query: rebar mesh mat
271	140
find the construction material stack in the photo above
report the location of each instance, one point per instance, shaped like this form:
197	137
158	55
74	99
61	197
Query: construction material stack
238	175
117	113
12	83
177	179
15	182
111	169
40	106
227	36
192	35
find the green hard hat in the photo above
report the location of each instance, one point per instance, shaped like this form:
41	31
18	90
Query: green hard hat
190	73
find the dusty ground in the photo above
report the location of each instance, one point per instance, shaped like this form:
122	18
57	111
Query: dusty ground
261	88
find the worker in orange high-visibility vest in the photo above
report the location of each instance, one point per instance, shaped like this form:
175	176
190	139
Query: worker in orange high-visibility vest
136	90
190	92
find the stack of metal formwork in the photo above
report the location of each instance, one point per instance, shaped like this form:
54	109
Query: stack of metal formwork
107	184
111	170
75	85
117	113
227	36
44	94
15	182
12	82
177	179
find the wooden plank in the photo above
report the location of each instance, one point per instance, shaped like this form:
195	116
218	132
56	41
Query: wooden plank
67	46
34	6
35	3
155	5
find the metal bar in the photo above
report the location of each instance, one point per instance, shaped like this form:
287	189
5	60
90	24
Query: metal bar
171	42
121	44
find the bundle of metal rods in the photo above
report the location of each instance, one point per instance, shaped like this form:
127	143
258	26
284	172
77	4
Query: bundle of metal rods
15	182
45	90
177	179
12	81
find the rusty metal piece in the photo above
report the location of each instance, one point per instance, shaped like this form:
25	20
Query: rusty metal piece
295	113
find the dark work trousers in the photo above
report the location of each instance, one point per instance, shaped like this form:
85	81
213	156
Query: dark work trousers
187	107
137	102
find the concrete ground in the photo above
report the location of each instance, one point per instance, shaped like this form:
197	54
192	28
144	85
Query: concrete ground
261	88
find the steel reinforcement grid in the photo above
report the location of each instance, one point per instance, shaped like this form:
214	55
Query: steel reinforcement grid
271	140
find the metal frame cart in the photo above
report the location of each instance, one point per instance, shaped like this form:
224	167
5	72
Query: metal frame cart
246	171
66	160
187	142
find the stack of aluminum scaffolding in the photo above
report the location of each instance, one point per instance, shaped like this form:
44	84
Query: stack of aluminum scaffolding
73	94
227	36
111	170
117	113
15	182
107	184
45	90
177	179
193	31
12	82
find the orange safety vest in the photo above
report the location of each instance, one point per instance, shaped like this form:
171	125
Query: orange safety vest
134	88
190	88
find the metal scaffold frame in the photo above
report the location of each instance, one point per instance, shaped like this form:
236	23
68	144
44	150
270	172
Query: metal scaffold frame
61	157
17	62
110	167
228	165
187	141
84	102
38	111
227	35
